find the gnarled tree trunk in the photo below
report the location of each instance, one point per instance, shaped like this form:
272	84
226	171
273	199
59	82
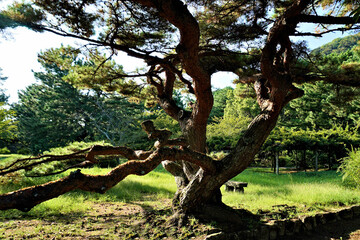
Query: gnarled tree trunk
274	90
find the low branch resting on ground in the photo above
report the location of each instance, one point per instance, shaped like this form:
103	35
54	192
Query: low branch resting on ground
146	161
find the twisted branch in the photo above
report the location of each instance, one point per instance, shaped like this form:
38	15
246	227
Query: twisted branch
146	161
21	163
25	199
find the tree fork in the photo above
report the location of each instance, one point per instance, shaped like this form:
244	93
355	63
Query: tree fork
273	91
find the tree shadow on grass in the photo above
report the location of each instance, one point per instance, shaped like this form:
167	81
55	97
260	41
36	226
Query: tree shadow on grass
116	220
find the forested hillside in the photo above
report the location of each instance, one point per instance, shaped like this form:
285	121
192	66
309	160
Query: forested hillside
338	45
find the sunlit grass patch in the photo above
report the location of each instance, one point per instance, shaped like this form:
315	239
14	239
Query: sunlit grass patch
65	204
68	204
307	191
157	184
323	194
7	158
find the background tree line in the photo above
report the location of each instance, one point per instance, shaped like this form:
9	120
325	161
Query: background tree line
53	113
317	129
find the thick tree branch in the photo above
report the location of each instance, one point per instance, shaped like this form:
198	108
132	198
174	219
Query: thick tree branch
166	97
293	93
282	28
320	34
126	152
216	61
326	19
25	199
23	163
177	171
169	83
188	50
89	154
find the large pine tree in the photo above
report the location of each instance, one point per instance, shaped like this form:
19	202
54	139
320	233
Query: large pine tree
183	43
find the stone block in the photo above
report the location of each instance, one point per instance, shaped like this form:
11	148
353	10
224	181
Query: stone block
308	223
320	219
298	225
356	211
281	224
264	233
346	213
289	228
330	217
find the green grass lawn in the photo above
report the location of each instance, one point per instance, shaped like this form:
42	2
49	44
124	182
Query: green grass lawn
309	192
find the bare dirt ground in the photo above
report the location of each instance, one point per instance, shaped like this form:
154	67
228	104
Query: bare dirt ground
138	221
105	221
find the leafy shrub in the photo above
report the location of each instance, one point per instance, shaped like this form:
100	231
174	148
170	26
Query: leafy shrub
24	150
164	121
350	167
4	150
218	155
224	133
71	148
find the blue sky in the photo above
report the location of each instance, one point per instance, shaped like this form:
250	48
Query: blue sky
19	56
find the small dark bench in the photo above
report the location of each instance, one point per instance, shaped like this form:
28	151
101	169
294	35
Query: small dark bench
235	186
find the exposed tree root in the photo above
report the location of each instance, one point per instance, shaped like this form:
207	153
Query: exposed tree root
226	218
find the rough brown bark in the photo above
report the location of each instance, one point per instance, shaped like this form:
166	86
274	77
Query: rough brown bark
193	124
273	90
